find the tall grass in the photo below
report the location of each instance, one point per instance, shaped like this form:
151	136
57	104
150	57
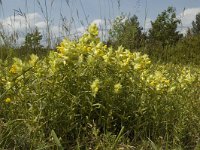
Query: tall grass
89	96
86	95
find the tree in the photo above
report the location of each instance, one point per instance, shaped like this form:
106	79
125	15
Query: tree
164	28
196	25
32	40
126	32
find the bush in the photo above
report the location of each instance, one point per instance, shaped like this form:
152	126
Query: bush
185	52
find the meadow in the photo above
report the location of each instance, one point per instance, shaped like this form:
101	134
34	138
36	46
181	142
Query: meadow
86	95
134	90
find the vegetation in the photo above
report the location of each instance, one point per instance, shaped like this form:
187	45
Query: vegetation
186	52
164	28
86	94
138	91
196	25
127	32
32	45
33	41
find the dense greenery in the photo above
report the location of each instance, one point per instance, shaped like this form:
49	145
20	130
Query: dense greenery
89	96
164	28
196	25
127	32
31	45
186	52
163	43
33	41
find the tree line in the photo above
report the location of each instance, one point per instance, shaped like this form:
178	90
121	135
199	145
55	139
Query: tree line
127	31
163	41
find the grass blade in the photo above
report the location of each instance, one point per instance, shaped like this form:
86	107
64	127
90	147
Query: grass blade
56	140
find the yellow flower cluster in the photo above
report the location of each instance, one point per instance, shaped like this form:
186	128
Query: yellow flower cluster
33	59
89	52
90	48
186	78
65	47
93	30
141	61
129	60
95	87
157	81
117	88
8	100
17	66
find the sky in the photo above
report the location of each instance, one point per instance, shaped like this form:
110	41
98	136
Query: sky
23	15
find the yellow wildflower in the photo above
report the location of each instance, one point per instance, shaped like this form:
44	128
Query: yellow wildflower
33	59
8	85
8	100
13	69
106	58
137	66
80	58
95	87
93	30
61	49
17	66
117	88
89	48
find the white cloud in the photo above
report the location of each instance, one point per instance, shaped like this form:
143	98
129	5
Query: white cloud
81	29
187	17
20	23
148	24
23	24
103	26
41	25
98	22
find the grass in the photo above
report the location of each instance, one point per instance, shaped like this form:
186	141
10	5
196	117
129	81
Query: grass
90	96
86	95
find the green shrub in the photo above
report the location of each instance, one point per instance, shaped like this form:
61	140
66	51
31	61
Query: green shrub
185	52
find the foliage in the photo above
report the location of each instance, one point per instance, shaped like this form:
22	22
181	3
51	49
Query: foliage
196	25
186	52
126	32
32	44
89	96
32	41
164	28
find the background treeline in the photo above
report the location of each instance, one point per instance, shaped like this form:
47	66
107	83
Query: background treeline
31	45
163	42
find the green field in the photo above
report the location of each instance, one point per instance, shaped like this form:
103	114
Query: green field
86	95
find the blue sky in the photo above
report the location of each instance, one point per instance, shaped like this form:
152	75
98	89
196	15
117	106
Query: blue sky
94	10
